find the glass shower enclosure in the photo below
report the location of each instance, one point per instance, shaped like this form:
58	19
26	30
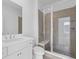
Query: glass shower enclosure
62	42
57	31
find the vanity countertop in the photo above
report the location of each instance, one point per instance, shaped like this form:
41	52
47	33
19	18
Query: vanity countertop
6	43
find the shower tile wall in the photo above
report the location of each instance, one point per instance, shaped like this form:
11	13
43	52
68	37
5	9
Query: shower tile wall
73	33
45	27
40	17
70	12
48	30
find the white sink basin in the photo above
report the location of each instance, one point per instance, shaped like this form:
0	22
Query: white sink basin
9	42
6	43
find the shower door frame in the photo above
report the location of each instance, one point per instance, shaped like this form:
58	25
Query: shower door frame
51	40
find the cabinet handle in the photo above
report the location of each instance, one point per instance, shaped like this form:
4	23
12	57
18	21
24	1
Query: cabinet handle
18	54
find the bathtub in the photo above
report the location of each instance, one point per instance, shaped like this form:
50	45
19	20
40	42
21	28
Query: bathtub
57	55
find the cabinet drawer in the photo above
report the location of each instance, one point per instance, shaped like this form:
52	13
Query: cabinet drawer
16	47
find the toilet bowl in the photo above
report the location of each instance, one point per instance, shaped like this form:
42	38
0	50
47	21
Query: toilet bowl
38	52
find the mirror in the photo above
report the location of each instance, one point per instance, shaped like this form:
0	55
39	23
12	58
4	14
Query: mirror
12	18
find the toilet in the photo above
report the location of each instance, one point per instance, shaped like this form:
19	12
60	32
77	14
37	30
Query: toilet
38	52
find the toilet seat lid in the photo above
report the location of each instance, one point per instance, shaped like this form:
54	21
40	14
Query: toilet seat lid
38	50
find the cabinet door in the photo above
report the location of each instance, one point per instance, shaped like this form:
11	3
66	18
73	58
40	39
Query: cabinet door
13	56
27	53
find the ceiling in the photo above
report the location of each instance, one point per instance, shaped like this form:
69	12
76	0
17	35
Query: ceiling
12	4
43	3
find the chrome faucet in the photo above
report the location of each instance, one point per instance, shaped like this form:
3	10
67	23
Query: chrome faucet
10	36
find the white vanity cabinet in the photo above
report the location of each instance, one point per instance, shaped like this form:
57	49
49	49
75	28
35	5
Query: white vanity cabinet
26	53
22	54
20	51
13	56
4	52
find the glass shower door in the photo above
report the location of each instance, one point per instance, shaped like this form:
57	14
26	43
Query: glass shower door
62	44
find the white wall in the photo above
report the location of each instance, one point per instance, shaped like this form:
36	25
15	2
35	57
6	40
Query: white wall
35	22
30	19
10	18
